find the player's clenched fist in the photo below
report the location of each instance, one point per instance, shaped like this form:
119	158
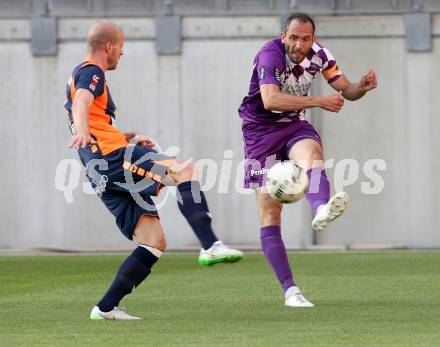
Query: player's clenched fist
368	81
332	102
81	140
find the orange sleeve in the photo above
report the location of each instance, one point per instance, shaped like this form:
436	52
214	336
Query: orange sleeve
332	72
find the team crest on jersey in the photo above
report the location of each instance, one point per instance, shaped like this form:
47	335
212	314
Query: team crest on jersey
261	73
313	68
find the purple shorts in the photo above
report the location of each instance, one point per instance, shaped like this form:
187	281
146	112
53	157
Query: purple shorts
267	144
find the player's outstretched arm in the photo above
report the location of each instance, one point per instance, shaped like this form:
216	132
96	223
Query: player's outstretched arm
275	100
80	114
355	91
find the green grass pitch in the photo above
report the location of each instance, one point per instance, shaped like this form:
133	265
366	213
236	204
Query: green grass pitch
362	299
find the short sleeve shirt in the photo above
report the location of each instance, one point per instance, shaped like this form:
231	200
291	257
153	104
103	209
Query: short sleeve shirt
273	66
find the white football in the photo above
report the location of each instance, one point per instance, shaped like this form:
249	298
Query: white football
286	182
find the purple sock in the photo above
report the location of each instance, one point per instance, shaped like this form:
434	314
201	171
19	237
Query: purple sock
275	252
318	192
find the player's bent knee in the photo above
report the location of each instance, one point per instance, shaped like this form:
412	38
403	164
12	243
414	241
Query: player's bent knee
307	153
149	232
161	245
187	173
156	241
314	158
316	155
191	173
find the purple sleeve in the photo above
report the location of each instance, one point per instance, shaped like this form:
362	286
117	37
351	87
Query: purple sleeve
92	78
269	65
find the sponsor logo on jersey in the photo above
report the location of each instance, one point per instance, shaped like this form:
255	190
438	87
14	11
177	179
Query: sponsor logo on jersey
261	73
94	83
259	172
299	89
277	74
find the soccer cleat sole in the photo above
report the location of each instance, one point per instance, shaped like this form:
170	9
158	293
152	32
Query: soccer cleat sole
227	259
338	204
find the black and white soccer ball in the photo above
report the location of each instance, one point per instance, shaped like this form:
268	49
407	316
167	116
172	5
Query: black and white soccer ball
286	182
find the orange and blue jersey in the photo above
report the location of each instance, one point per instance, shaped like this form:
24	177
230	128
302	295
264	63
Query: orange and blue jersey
101	112
115	169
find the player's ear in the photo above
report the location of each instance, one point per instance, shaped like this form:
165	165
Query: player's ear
282	36
108	47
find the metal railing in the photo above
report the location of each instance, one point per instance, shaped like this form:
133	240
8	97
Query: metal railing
109	8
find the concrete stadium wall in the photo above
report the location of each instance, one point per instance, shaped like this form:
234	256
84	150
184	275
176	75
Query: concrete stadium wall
190	101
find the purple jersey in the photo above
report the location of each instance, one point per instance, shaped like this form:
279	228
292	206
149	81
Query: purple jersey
273	66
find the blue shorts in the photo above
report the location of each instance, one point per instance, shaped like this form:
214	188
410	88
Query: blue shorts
125	180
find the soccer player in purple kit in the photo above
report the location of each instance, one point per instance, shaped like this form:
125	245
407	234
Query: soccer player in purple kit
274	128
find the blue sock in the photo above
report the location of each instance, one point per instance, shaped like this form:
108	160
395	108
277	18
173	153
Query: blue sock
192	203
131	273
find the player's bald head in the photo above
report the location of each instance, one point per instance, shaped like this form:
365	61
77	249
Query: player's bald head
103	32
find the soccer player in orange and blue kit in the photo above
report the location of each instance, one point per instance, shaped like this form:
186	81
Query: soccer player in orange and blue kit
126	175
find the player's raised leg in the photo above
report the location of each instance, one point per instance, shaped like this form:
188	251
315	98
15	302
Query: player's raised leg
275	250
150	236
194	207
308	153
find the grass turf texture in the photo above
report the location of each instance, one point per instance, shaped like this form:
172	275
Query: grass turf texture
362	299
